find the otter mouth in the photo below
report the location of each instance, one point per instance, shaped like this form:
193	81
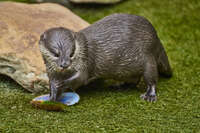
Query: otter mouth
61	69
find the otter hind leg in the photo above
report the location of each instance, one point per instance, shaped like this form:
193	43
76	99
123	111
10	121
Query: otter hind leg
163	63
150	78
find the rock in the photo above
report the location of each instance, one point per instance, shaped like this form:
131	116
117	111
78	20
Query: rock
96	1
20	28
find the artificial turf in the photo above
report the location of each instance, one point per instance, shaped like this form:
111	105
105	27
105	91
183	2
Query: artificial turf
105	110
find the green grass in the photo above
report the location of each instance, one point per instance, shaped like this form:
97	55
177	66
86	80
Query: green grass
102	109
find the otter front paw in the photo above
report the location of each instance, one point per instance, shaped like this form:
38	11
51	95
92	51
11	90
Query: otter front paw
55	91
149	97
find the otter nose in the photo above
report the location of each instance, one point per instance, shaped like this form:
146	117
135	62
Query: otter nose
65	64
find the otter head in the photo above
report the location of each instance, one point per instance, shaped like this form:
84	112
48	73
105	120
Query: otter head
57	46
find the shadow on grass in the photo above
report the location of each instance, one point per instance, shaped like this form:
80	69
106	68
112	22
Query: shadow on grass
8	83
100	87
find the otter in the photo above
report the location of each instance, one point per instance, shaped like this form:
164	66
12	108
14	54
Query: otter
122	47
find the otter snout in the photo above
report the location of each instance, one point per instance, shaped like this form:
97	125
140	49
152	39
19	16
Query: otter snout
64	63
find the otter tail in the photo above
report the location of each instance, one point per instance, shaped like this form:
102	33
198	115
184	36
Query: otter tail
163	63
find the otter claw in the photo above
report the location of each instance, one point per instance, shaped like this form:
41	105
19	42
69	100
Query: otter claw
149	98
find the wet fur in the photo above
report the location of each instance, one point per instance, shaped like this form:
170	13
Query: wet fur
120	46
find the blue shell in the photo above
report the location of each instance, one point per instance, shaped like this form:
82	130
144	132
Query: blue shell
68	98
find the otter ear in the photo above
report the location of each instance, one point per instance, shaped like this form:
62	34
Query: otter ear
74	35
43	37
80	37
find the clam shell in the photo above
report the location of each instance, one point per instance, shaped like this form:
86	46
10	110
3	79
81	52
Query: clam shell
68	98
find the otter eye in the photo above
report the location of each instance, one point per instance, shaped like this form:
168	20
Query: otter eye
73	50
56	55
72	54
